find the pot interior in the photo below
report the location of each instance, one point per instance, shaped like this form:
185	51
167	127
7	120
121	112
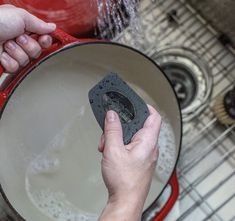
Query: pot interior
49	163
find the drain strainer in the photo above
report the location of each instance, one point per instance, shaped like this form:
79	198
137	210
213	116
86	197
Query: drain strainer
190	77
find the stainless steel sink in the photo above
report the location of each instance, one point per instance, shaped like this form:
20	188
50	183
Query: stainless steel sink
206	167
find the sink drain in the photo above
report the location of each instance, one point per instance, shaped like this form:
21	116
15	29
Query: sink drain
190	77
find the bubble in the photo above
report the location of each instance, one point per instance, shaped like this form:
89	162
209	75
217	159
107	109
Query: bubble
167	151
44	164
55	206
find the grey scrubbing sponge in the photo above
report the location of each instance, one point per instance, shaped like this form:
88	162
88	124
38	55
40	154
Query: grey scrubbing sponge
112	93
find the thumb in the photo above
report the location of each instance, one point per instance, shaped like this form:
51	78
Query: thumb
112	130
36	25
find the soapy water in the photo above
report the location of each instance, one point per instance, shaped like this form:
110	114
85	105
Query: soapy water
48	166
167	150
64	181
51	197
57	207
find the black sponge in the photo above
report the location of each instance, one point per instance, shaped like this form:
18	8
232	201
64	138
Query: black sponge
112	93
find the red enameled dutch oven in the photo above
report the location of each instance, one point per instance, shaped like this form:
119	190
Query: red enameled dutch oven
48	134
77	17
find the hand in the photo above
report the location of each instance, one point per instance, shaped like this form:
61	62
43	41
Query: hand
128	169
16	46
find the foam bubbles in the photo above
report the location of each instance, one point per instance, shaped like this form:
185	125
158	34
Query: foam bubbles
44	164
57	207
167	151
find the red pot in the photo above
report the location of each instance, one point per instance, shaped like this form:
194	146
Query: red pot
76	17
88	58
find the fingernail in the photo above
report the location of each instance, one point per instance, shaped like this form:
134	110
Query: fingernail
49	40
11	45
25	63
22	39
111	116
51	25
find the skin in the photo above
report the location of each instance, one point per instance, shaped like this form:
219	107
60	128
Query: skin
17	48
128	169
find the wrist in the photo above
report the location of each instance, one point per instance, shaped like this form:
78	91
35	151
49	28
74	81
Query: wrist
122	209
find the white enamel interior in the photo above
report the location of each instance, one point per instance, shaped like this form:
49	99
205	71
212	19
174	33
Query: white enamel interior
56	94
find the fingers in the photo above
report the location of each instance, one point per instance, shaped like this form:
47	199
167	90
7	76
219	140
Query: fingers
152	126
20	52
101	144
150	132
29	45
7	6
16	52
155	155
45	41
27	48
113	130
154	120
36	25
9	64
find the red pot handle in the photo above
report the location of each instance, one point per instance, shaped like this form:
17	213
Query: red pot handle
172	199
60	39
1	70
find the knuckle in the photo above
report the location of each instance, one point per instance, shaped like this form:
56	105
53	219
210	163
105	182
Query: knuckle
158	117
22	58
7	44
151	146
34	50
141	139
13	66
155	157
23	62
41	25
112	131
22	11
